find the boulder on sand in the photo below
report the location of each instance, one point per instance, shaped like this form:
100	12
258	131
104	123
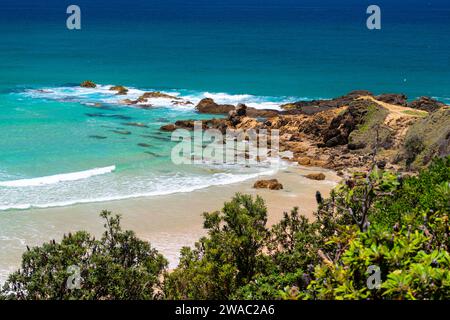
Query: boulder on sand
272	184
315	176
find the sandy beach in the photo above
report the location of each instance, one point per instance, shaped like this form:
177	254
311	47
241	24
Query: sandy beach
168	222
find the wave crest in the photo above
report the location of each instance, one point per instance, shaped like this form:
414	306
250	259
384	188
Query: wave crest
41	181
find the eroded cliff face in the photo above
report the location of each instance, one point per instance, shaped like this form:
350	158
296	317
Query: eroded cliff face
348	132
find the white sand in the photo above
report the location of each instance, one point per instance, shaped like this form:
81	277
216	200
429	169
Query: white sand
168	222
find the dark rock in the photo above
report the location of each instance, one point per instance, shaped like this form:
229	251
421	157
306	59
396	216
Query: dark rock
121	90
156	94
381	164
97	137
88	84
261	113
208	105
393	98
315	106
336	141
234	118
181	103
426	104
169	127
102	115
241	110
144	145
356	146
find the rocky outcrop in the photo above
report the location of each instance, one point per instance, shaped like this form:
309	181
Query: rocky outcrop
121	90
235	115
156	95
272	184
427	138
345	133
316	106
262	113
426	104
209	106
142	101
344	124
88	84
241	110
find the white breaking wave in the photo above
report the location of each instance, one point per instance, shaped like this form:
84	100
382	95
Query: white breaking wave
215	180
102	94
57	178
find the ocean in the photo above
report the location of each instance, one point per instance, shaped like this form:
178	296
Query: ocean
58	147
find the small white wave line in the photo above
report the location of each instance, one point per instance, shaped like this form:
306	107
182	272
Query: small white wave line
73	176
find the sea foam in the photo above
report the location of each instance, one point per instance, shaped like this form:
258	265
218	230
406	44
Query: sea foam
102	94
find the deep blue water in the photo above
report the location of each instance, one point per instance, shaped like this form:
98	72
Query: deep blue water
258	52
277	48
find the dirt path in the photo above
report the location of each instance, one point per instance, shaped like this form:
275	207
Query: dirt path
397	111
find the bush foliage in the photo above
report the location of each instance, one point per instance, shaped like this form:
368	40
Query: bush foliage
378	236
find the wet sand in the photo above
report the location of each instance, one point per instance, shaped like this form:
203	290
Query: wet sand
169	222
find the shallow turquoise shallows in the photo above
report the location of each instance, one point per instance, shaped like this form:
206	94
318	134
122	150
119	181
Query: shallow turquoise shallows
60	144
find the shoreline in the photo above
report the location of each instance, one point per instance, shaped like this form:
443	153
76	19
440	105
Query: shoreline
163	220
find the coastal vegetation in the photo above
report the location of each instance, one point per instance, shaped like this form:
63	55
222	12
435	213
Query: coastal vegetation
380	235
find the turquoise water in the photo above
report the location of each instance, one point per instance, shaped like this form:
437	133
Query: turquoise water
258	52
67	145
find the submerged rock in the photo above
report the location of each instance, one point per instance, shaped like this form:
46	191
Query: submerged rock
169	127
124	132
152	154
97	137
102	115
135	124
144	145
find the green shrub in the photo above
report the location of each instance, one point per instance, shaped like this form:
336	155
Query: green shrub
118	266
228	257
